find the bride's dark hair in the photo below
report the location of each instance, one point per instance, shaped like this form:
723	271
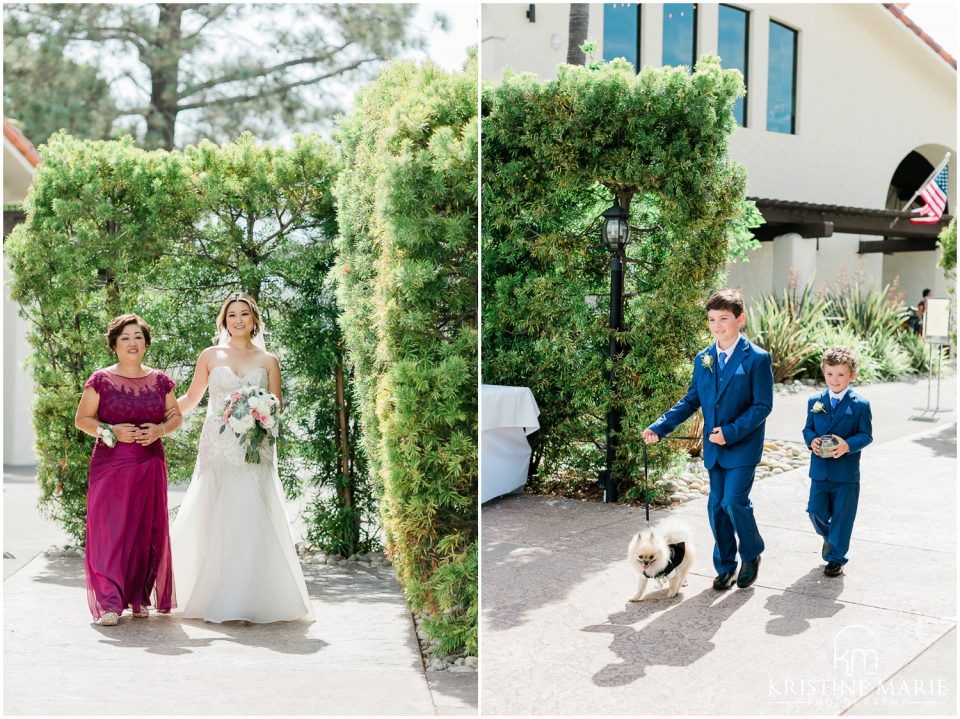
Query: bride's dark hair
254	310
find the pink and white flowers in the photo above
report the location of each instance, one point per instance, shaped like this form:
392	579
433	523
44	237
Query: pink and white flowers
251	414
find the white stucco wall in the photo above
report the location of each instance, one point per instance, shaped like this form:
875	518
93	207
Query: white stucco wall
509	39
18	433
869	92
17	386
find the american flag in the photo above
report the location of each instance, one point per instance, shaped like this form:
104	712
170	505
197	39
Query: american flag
935	195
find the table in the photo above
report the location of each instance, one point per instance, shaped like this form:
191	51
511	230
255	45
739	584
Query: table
507	416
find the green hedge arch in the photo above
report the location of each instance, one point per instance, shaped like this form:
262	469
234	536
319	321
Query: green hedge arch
407	286
111	228
555	153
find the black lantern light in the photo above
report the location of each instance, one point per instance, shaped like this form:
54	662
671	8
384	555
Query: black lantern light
616	227
616	234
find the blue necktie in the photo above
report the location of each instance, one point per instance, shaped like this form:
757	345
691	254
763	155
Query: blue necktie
834	401
723	359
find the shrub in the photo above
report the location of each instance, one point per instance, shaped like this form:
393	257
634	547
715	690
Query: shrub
407	284
111	228
797	327
555	154
789	326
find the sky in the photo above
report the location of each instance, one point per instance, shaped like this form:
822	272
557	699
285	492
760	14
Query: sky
447	48
938	20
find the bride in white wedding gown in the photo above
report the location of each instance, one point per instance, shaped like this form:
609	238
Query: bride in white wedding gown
233	549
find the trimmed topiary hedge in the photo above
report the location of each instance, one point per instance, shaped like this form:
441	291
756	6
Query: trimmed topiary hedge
407	287
554	155
111	228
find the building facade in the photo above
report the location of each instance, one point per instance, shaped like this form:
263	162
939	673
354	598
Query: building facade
20	158
849	109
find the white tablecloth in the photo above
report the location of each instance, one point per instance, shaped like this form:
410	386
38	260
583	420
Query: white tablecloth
507	416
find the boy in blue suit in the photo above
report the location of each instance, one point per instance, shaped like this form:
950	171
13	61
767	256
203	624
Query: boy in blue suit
835	482
733	384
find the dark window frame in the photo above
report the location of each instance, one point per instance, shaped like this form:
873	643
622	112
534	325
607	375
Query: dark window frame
748	17
793	79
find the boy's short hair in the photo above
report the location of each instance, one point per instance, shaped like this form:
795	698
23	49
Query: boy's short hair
730	300
838	355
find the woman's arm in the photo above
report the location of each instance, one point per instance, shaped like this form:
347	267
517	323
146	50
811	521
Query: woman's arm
150	433
86	419
274	380
201	376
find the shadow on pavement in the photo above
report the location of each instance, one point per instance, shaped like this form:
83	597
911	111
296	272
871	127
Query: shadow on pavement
543	547
802	601
351	584
164	634
64	571
943	443
677	638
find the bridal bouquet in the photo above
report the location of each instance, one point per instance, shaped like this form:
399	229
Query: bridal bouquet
251	413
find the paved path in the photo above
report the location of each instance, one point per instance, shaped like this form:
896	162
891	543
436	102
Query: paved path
360	656
560	637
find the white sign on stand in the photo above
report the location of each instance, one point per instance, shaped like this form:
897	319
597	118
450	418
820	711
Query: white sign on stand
936	333
936	321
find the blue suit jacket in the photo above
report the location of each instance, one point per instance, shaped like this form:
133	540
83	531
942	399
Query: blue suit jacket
852	421
737	400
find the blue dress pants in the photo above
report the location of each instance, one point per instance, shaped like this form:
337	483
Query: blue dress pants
731	517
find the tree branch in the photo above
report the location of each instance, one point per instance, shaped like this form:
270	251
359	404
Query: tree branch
276	90
245	74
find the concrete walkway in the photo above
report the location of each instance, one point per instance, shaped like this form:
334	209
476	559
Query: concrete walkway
560	637
360	657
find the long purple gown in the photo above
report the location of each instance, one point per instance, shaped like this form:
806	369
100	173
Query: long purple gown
128	535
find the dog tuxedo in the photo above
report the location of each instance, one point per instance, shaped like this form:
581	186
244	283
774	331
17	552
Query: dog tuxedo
677	551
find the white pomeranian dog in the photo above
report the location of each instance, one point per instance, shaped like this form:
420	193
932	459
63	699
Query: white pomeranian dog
664	553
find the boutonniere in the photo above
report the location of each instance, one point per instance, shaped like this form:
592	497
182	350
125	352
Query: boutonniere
818	408
707	362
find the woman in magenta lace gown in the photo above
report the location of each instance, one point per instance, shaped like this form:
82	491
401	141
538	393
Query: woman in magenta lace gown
128	537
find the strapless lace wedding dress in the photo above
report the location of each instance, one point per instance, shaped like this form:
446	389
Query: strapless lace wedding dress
233	549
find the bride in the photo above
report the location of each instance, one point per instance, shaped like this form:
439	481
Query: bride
233	550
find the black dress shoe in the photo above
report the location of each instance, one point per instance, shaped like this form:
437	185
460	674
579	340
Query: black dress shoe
833	569
825	550
723	581
748	573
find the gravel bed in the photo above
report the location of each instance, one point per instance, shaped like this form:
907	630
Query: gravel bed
779	456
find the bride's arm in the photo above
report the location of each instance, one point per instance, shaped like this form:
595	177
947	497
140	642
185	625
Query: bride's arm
201	376
273	372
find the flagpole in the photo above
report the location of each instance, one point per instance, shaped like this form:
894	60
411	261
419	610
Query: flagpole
946	159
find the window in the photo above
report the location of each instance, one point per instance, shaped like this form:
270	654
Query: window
679	34
621	32
782	80
733	45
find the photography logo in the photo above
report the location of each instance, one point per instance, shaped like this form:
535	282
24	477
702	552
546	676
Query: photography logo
856	652
855	675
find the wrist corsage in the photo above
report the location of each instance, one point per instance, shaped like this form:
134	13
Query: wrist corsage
106	435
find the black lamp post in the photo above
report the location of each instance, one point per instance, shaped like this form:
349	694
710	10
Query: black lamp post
616	234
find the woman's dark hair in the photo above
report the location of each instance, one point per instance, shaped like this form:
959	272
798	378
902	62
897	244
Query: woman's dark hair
115	328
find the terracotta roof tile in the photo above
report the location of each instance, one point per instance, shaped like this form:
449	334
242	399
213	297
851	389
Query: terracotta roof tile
918	31
19	141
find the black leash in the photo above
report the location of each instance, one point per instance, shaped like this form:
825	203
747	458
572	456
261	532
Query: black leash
646	474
